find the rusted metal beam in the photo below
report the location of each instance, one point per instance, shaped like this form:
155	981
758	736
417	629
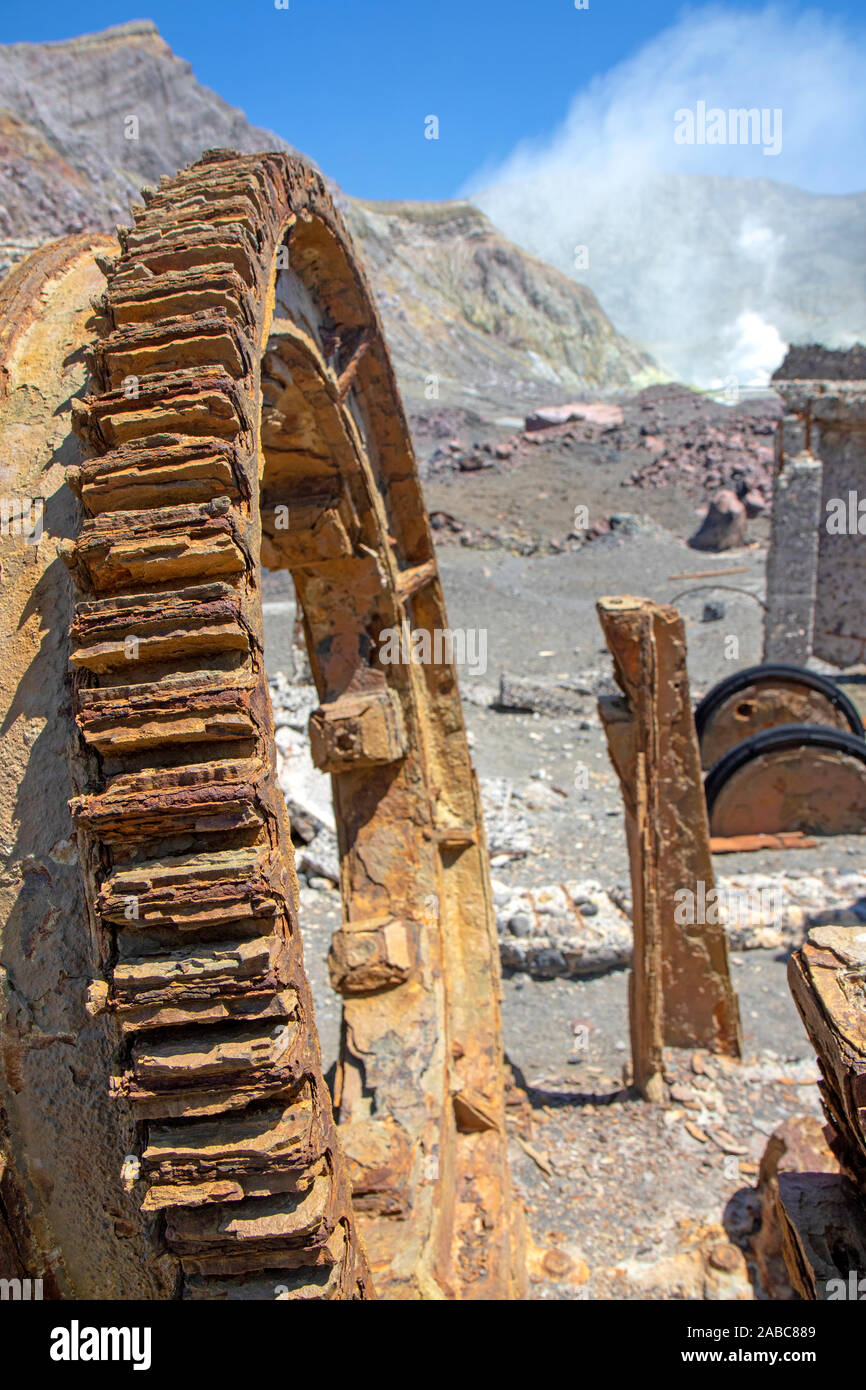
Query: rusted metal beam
680	988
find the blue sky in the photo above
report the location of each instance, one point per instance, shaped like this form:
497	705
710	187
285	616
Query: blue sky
350	82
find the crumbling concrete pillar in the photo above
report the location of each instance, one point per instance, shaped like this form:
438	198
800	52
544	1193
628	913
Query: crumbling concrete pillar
680	990
792	564
827	420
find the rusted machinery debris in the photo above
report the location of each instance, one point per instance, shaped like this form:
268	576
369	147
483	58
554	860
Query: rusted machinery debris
785	755
208	397
827	978
680	988
765	697
798	1146
796	777
820	1197
242	412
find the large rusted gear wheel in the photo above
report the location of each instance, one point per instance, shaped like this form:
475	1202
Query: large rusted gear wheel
766	697
243	412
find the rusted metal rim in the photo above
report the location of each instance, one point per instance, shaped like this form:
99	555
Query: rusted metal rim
771	672
778	741
764	697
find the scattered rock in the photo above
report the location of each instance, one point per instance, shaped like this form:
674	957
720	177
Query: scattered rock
724	526
541	1160
726	1142
320	858
725	1257
519	693
520	924
557	1264
596	413
754	504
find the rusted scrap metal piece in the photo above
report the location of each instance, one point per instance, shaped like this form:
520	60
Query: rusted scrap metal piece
240	390
800	1145
371	955
12	1266
182	827
735	844
823	1221
804	777
416	958
823	1215
680	988
358	730
827	976
765	697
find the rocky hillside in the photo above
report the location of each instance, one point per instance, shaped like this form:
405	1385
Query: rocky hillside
68	159
486	325
85	122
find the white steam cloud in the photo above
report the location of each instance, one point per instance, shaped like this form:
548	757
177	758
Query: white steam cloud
709	253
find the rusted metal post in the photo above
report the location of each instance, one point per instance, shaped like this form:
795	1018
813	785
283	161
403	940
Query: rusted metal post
680	988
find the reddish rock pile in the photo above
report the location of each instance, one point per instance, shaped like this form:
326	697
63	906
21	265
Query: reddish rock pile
677	437
712	448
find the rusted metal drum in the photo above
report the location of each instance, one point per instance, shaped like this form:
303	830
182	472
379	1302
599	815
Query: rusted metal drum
796	777
765	697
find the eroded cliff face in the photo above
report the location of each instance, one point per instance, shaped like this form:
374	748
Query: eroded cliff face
479	321
471	319
84	123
